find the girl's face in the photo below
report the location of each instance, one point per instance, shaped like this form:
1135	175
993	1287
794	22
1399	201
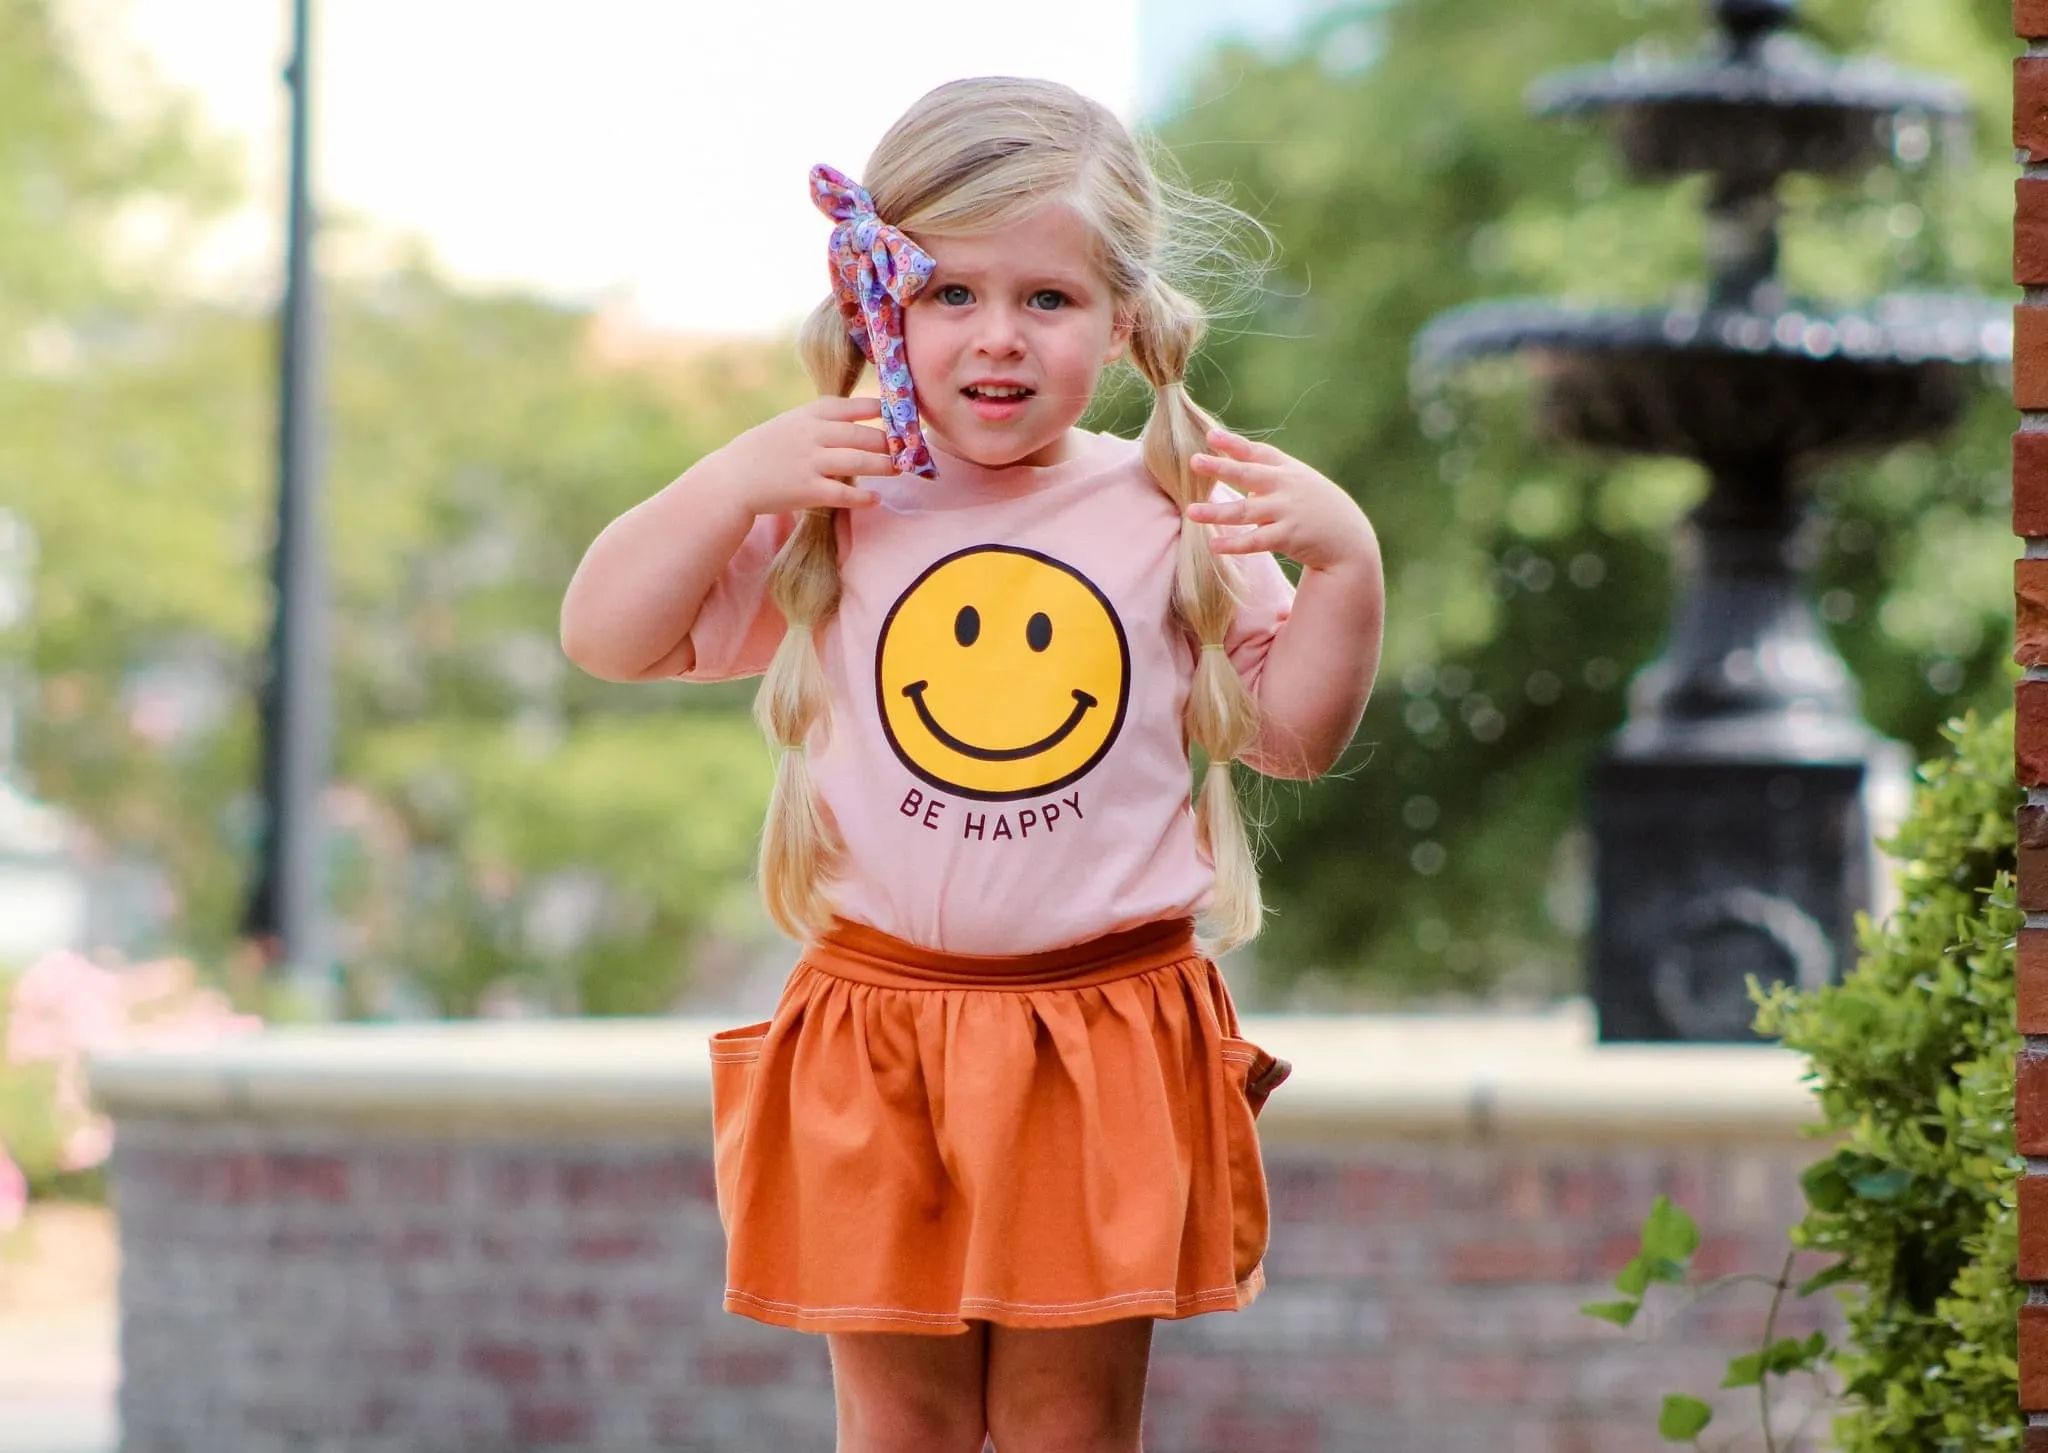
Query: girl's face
1007	340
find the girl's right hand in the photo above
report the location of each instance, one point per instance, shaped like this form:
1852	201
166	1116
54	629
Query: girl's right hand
801	459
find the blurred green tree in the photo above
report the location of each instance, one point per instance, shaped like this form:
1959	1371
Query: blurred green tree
558	832
90	202
1390	155
502	819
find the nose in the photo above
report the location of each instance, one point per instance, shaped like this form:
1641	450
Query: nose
1000	334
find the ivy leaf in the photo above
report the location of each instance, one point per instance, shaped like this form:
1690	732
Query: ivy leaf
1669	1233
1634	1279
1787	1354
1665	1270
1825	1184
1842	1271
1745	1371
1683	1418
1621	1314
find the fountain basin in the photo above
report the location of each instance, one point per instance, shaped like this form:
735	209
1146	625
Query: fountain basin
1727	383
1759	107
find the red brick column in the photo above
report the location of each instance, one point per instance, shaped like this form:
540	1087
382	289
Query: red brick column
2030	521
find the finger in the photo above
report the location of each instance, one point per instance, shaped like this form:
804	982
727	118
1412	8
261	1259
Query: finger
1249	450
836	495
840	463
1251	510
1245	475
840	435
1247	542
860	406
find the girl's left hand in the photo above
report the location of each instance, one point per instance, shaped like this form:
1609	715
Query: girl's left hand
1292	509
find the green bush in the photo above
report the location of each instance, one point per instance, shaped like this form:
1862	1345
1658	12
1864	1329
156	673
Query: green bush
1912	1061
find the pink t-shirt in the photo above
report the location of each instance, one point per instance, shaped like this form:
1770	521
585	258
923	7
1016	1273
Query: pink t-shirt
1005	761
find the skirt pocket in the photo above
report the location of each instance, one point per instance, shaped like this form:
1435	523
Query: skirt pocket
1251	1074
734	1053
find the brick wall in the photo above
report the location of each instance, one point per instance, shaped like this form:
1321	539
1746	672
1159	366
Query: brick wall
2030	521
320	1290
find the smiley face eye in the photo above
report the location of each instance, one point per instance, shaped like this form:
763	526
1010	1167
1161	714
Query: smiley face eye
1038	631
967	625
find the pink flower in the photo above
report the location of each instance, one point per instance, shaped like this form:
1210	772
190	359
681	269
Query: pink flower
88	1145
64	1007
62	1004
203	1016
158	979
13	1192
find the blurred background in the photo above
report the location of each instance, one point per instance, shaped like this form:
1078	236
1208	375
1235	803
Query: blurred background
562	250
562	256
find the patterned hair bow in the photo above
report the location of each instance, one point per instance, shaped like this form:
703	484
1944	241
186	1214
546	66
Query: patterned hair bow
876	271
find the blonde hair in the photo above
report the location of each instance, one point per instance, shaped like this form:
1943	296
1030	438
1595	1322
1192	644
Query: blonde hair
969	157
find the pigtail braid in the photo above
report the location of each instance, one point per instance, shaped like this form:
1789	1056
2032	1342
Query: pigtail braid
1222	718
800	848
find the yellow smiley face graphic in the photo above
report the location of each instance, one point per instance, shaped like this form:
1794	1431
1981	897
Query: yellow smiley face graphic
1001	673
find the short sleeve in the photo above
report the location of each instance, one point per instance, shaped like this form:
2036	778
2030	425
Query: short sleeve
737	627
1265	596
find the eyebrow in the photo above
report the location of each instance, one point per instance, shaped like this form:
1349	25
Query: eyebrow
1073	282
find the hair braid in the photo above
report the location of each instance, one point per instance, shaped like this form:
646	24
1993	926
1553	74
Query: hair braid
800	847
1222	719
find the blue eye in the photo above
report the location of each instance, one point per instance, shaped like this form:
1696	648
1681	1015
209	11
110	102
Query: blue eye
952	295
1038	299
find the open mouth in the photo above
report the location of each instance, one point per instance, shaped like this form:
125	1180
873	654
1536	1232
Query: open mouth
999	393
1083	703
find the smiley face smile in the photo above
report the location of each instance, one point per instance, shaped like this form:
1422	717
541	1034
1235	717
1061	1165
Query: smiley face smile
1082	703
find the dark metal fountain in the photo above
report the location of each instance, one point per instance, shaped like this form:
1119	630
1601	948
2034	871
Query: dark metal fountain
1731	814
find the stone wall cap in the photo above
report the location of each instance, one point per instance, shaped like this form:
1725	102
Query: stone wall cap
1472	1076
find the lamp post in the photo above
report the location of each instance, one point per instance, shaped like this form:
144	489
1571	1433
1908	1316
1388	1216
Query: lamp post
284	918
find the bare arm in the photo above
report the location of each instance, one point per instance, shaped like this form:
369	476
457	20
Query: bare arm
1319	671
630	605
628	610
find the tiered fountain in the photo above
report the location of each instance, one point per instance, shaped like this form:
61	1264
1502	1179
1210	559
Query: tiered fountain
1731	814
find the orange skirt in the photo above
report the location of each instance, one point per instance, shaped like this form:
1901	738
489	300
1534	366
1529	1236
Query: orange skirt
917	1139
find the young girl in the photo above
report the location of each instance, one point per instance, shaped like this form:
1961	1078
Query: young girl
1003	1117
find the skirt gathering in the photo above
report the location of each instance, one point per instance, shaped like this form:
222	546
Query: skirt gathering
916	1139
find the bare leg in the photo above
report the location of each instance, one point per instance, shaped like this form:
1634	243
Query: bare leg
1068	1389
897	1391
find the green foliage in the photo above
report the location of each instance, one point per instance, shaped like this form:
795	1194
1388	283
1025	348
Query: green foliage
1787	1354
28	1110
487	793
1683	1418
1391	156
659	815
74	174
1669	1238
1912	1062
475	450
